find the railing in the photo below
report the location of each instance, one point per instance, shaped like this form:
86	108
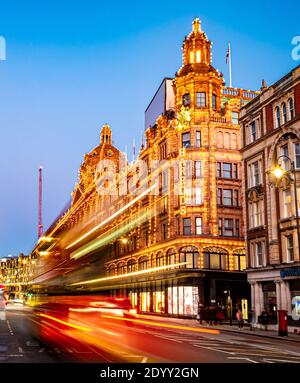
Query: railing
238	92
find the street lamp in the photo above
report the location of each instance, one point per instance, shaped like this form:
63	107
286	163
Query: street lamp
278	172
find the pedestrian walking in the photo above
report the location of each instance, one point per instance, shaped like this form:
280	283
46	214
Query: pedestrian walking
239	317
265	319
200	313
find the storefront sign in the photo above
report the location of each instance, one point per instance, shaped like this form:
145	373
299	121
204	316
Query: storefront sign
291	272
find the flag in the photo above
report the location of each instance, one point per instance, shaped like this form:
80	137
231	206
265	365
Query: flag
133	149
228	53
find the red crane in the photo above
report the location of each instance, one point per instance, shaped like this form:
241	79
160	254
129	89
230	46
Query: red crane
40	227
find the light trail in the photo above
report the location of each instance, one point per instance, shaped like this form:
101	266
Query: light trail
66	323
141	321
106	238
111	217
128	274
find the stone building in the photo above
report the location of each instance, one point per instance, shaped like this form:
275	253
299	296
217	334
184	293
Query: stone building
271	173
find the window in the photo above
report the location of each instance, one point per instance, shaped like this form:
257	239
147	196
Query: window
235	118
198	139
186	100
164	179
239	261
190	256
200	99
187	230
235	171
219	196
287	206
285	152
220	227
198	56
143	263
215	258
198	224
164	231
254	172
284	114
297	156
290	248
219	174
214	101
277	111
227	197
256	213
237	227
228	227
188	196
226	170
236	198
198	196
188	170
186	140
291	108
198	169
259	254
253	131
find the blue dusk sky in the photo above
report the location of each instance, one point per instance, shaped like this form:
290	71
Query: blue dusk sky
74	65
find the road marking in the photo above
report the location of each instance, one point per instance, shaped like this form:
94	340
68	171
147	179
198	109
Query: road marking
167	338
29	343
21	351
236	357
9	327
271	360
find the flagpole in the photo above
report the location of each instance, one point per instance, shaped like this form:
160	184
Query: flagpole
230	78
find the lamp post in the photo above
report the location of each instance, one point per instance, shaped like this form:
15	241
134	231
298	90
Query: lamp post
279	172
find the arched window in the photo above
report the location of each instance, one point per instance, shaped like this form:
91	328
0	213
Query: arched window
284	114
291	108
220	140
171	257
191	57
227	141
233	141
189	255
131	265
121	268
143	263
198	56
216	258
112	270
186	100
277	111
159	259
239	260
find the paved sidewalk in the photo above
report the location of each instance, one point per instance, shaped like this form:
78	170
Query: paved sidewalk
226	328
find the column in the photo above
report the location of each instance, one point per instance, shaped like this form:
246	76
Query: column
286	296
252	284
258	294
278	295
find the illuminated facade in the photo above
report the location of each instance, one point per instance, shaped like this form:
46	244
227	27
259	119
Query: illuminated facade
166	230
15	272
271	137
